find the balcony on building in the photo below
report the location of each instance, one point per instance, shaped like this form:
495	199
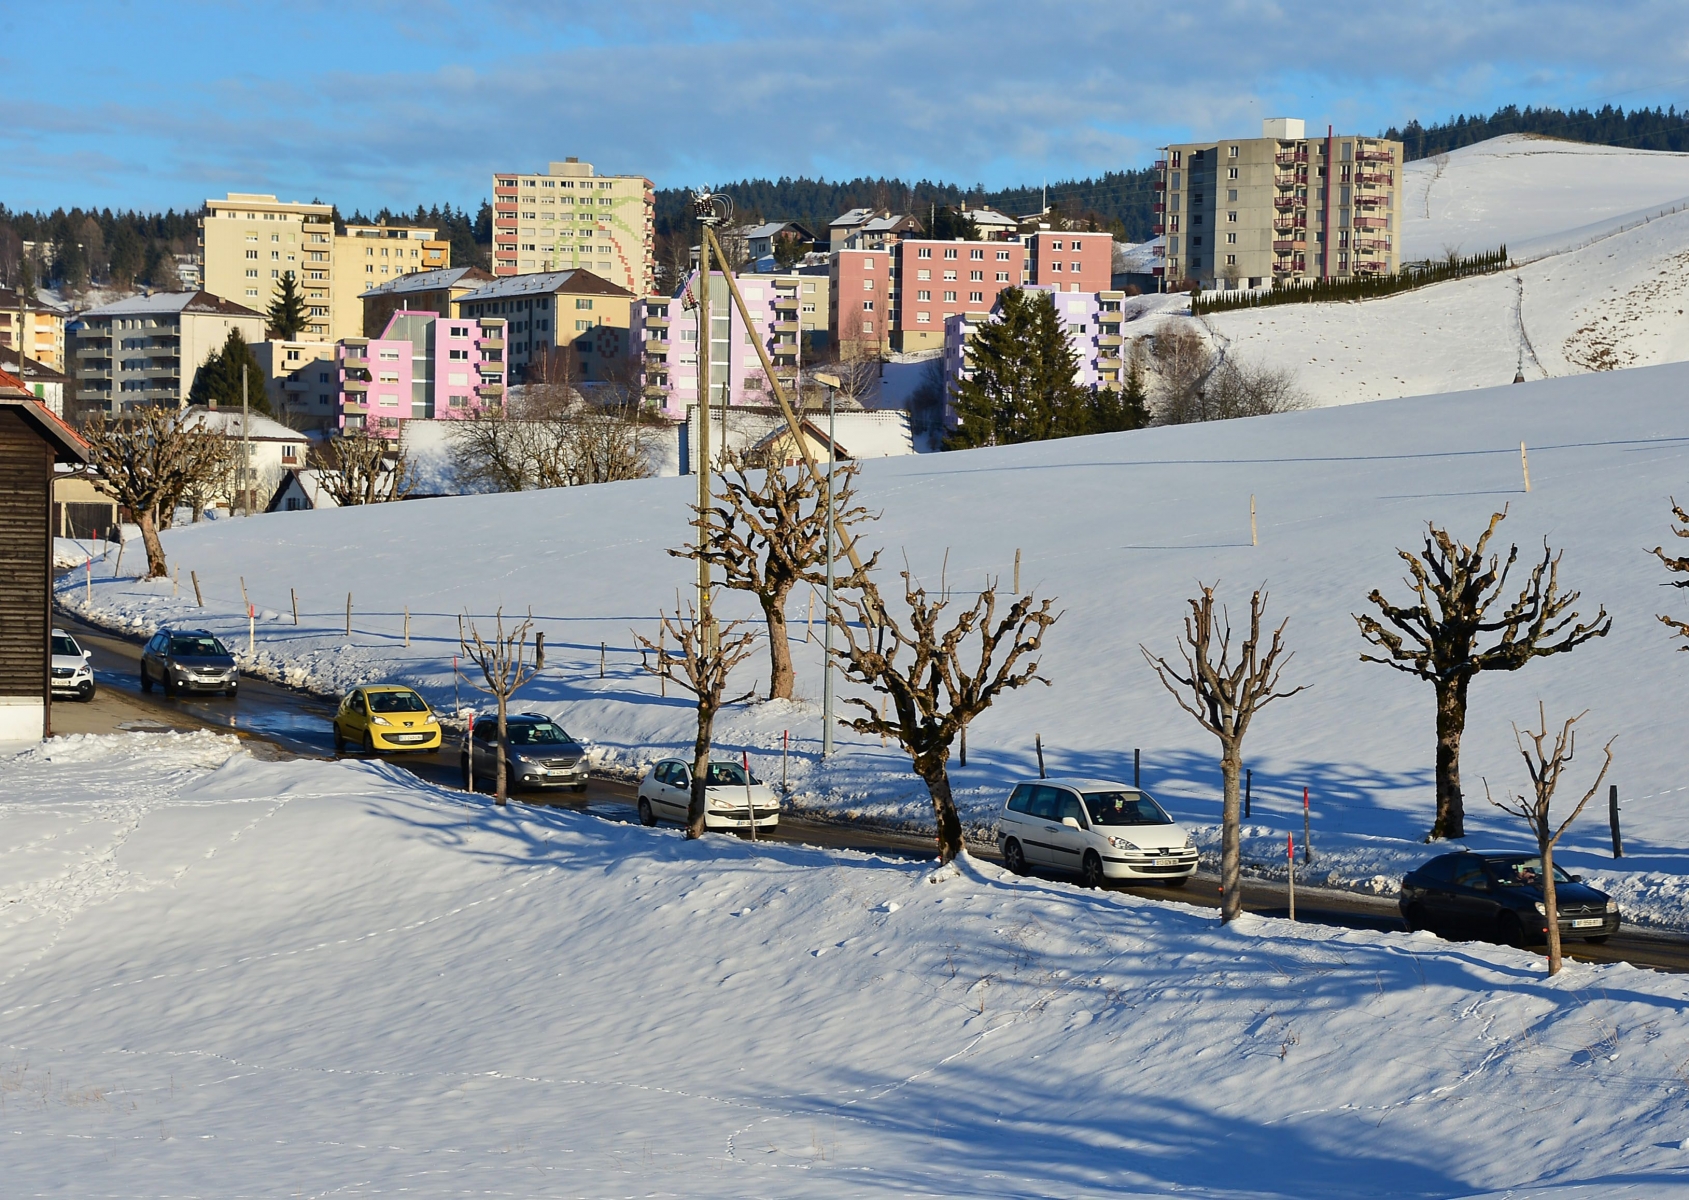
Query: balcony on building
1371	223
1109	341
1290	245
1290	158
1376	178
490	391
360	386
1369	155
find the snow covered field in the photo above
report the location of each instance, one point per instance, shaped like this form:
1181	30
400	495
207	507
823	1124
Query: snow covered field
1118	527
226	977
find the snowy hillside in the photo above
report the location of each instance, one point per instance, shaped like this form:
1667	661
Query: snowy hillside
225	977
1603	236
1120	528
1519	190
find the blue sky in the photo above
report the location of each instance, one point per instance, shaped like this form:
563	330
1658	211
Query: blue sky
156	105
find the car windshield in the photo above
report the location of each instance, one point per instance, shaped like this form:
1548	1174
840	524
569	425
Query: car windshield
196	647
536	733
395	702
65	645
726	774
1524	872
1124	808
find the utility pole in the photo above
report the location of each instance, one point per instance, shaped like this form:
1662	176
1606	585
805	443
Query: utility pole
704	209
827	632
245	447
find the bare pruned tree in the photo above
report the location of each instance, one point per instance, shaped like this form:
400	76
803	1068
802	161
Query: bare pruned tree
703	657
554	437
1437	637
147	460
767	535
505	666
214	482
1224	697
1545	766
1678	566
937	680
358	468
1194	384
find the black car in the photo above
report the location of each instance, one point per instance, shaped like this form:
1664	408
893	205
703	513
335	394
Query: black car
188	660
538	754
1499	895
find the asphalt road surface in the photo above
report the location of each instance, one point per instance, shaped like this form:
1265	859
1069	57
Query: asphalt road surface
281	721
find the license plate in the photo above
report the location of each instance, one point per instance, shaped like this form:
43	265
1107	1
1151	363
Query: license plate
1166	862
1586	923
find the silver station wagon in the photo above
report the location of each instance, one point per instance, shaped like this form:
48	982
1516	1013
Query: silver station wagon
1094	829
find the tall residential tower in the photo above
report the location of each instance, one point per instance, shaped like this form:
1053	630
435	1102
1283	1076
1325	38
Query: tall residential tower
569	219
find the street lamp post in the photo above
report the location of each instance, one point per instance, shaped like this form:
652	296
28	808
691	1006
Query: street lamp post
831	383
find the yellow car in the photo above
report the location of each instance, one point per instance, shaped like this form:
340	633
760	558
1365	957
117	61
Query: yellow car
385	717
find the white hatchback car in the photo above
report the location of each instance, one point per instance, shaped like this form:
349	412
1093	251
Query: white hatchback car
1095	829
666	791
72	674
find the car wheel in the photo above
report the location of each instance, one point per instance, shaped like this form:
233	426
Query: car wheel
369	742
339	742
1014	857
1091	870
580	789
230	692
1510	931
168	684
1414	917
1179	881
85	693
146	680
646	816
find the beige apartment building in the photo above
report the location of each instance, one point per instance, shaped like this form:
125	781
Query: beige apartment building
248	241
571	219
367	256
145	350
42	328
1282	208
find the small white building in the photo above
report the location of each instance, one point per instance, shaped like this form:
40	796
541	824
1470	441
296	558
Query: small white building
275	449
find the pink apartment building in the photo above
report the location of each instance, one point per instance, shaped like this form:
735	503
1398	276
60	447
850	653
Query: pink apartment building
1071	262
423	366
935	280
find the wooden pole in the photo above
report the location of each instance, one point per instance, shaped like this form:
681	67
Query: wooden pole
251	632
176	583
118	565
1253	539
662	674
882	721
1613	819
539	651
1248	786
244	598
809	626
1038	744
785	751
348	614
1017	570
1290	857
295	598
89	567
198	599
601	660
407	627
1307	835
1137	762
1525	466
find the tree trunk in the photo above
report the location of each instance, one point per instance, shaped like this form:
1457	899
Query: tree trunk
779	649
154	547
700	771
498	773
936	774
1451	723
1231	837
1552	903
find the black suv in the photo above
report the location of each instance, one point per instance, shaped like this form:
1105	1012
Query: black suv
537	754
188	660
1499	895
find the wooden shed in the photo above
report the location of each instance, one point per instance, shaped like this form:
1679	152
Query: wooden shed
32	442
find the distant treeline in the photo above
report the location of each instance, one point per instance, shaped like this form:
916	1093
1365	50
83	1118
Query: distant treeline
1639	129
75	248
1360	287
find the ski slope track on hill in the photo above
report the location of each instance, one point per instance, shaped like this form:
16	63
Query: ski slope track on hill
1119	528
234	978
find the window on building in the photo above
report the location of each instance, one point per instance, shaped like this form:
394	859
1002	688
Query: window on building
582	303
950	297
1056	267
1231	218
252	254
976	276
922	318
923	252
1231	152
1231	239
1002	277
976	254
1231	173
867	327
867	306
867	264
949	254
976	297
923	295
1231	260
867	285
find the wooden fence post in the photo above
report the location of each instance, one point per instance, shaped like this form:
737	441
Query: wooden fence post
348	614
1038	744
1613	819
1525	466
294	596
1017	570
198	599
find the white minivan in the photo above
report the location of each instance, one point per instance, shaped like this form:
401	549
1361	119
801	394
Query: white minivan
1095	829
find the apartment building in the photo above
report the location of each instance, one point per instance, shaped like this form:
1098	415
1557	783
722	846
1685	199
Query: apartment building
301	381
145	349
423	367
38	379
1092	321
1066	261
571	219
553	312
1282	208
39	326
932	281
430	291
367	256
788	318
248	241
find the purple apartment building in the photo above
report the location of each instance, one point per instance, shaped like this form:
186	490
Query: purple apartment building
423	366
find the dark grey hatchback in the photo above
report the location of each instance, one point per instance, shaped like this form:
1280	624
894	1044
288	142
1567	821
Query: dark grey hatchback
1499	896
188	660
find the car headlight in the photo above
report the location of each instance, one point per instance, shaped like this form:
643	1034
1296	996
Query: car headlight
1542	909
1612	906
380	721
718	802
1190	842
1120	843
429	720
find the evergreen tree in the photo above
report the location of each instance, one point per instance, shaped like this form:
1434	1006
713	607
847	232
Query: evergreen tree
1111	411
287	314
1022	387
217	382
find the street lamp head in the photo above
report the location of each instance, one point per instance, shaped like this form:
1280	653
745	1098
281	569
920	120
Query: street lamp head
826	380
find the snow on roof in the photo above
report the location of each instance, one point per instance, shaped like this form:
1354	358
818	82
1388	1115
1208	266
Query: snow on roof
544	283
429	281
171	302
854	217
227	421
